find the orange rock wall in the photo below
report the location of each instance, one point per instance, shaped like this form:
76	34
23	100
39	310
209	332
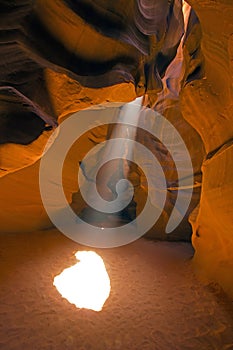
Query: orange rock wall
112	70
207	105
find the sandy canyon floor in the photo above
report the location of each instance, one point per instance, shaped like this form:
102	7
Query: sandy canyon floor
156	301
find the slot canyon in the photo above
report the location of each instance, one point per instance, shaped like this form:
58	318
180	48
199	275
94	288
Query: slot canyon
93	92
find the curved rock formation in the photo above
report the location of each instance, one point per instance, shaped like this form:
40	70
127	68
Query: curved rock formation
207	106
61	56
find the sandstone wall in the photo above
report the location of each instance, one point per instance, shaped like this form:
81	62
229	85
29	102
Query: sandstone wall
207	104
57	59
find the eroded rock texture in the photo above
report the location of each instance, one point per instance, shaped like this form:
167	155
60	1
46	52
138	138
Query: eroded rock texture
59	57
207	105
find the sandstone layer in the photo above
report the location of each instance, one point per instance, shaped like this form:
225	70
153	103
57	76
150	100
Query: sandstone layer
59	57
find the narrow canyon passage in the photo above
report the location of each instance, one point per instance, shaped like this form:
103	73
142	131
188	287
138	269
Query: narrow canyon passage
78	63
155	303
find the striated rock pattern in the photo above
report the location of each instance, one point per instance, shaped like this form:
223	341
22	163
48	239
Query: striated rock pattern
61	56
207	105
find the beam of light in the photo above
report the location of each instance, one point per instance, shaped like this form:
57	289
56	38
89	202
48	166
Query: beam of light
85	284
111	165
119	168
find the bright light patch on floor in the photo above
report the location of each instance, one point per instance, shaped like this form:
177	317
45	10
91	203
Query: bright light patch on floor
86	284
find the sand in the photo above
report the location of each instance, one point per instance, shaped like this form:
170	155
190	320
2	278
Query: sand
156	301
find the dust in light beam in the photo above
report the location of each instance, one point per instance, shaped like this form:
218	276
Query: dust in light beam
85	284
